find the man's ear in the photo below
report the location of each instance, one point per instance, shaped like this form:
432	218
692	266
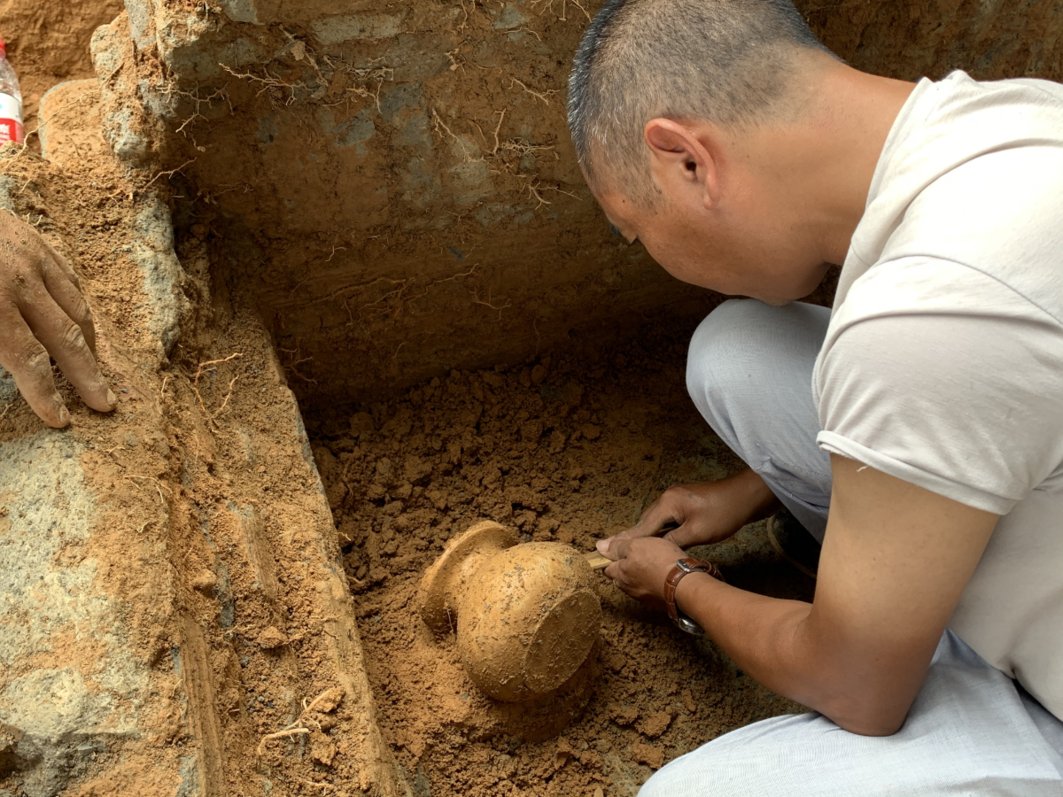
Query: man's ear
680	158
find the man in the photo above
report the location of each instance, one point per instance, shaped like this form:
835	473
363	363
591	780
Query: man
918	424
42	313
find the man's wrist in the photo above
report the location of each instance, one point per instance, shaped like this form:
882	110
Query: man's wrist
684	569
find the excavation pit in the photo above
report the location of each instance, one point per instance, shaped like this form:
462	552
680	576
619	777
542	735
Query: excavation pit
567	456
363	221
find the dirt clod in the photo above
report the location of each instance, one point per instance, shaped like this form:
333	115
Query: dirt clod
655	725
647	754
204	581
322	749
271	639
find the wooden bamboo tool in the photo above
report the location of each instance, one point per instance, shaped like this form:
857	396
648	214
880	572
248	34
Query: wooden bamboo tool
597	561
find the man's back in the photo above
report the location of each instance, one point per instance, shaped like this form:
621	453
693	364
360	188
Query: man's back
943	362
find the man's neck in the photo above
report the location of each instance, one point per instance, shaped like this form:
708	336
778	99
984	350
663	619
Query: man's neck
825	159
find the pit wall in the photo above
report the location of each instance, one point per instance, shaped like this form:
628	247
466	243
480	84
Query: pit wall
175	620
395	179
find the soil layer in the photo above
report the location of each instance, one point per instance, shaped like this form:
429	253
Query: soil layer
569	450
48	42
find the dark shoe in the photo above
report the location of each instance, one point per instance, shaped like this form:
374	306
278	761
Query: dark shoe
793	543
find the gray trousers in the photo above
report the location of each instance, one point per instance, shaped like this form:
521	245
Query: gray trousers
971	730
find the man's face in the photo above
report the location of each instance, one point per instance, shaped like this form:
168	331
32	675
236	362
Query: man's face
744	247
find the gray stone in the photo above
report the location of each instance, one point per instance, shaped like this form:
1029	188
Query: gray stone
163	105
471	182
153	253
106	51
190	783
129	143
354	132
197	50
402	97
53	705
141	23
510	18
60	714
357	132
123	125
8	187
421	184
240	10
417	57
16	753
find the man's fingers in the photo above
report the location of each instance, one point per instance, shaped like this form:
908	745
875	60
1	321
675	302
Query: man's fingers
62	285
653	522
683	536
63	338
62	263
618	548
23	356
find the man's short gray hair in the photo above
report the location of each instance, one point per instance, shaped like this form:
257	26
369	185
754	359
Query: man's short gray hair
727	61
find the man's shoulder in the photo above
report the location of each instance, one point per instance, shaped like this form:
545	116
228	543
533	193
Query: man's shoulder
928	285
970	172
971	176
1011	107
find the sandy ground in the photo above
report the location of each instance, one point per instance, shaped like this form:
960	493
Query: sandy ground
560	449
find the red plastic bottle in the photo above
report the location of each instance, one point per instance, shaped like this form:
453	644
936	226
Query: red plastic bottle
10	101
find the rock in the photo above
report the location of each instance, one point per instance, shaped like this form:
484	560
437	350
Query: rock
10	758
58	712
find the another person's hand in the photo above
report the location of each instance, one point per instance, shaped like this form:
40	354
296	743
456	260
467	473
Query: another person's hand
42	313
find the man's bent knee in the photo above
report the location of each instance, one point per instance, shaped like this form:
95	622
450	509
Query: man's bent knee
749	372
725	350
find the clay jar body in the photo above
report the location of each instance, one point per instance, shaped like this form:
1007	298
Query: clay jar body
526	616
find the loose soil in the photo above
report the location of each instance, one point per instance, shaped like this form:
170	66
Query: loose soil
48	42
568	449
563	449
214	539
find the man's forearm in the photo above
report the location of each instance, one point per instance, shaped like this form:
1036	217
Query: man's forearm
895	561
773	641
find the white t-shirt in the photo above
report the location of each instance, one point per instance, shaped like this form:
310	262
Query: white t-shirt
943	361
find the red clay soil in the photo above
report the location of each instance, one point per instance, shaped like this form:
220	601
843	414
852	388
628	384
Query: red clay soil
563	449
48	42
